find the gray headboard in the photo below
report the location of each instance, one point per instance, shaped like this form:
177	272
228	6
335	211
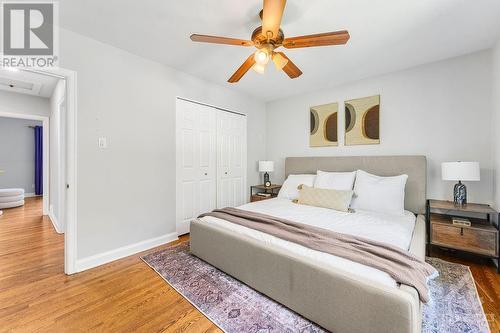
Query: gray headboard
414	166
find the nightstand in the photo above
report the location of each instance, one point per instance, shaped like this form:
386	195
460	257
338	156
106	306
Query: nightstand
272	190
480	238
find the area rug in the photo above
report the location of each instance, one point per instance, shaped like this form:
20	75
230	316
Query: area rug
234	307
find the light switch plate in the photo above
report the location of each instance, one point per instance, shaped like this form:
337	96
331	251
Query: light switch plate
103	143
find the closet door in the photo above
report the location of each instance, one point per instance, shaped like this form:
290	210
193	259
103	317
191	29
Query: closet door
231	159
196	162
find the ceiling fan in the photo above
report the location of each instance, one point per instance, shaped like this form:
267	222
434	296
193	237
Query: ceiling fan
269	37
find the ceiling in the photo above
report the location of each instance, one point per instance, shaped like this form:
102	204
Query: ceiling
29	83
386	35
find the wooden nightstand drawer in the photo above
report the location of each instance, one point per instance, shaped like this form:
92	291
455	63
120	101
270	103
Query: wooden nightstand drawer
256	197
481	240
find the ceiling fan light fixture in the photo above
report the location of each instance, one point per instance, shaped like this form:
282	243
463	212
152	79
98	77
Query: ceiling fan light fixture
279	61
259	68
268	37
261	57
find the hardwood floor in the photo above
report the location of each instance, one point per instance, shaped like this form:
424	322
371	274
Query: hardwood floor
123	296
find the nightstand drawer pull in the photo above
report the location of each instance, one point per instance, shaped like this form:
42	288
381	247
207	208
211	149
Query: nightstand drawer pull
461	231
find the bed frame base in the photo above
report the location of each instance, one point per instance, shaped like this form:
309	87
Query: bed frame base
335	300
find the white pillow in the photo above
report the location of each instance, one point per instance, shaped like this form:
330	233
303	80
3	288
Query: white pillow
342	181
379	194
290	191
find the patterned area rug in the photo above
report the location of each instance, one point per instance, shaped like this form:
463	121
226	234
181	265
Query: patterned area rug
234	307
454	305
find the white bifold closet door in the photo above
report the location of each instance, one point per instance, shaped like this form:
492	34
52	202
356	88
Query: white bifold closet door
211	161
231	137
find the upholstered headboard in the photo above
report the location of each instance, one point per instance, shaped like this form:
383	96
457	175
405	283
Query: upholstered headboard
414	166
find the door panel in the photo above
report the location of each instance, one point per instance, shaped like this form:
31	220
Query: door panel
196	172
238	192
231	131
206	196
188	204
207	160
205	149
188	149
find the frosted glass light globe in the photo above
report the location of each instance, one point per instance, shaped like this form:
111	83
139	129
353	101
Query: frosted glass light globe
259	68
261	57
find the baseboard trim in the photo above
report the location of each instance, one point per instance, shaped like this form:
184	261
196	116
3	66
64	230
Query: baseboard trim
55	223
125	251
31	195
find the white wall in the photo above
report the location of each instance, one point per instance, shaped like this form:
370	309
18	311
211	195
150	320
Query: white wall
126	193
24	104
57	117
496	122
441	110
17	154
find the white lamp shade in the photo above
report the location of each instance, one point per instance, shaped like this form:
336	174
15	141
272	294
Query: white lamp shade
266	166
466	171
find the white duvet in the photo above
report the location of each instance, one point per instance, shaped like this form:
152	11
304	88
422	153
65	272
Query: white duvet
392	229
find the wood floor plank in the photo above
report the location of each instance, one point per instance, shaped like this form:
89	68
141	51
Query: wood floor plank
122	296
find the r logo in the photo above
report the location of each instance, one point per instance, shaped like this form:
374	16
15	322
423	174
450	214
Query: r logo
28	29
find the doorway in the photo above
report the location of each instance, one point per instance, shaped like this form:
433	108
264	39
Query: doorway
24	165
59	142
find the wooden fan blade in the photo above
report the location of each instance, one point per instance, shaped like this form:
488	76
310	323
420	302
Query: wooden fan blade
243	69
290	69
220	40
328	38
279	61
271	18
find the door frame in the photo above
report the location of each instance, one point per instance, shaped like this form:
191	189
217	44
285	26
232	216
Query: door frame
70	194
61	161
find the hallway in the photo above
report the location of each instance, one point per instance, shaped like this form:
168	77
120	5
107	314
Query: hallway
30	248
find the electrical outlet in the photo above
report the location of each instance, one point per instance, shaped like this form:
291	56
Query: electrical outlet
103	143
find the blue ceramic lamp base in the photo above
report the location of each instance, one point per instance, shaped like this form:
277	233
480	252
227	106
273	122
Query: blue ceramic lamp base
460	194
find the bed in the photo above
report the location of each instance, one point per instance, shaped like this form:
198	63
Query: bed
338	294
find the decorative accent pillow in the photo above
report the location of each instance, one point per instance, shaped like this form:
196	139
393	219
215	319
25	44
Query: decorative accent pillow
289	190
326	198
335	180
379	194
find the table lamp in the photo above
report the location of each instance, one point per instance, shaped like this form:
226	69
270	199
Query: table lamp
461	171
266	166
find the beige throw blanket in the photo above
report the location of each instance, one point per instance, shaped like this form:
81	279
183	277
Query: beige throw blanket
401	265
